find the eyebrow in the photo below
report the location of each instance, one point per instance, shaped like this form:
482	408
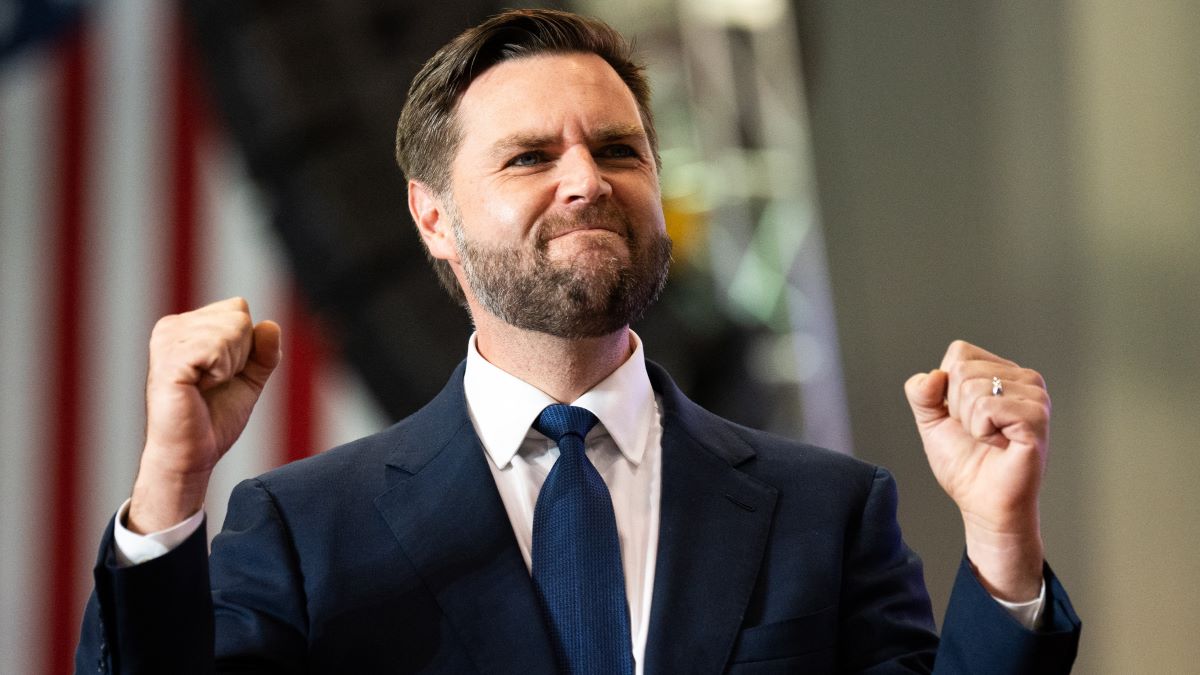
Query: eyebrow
608	133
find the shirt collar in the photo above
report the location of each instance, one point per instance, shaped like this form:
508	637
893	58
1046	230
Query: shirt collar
503	407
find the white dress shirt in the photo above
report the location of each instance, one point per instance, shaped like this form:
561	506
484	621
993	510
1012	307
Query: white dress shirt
625	447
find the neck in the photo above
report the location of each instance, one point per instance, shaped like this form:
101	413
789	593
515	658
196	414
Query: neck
563	368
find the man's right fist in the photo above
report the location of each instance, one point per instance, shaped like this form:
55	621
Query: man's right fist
207	369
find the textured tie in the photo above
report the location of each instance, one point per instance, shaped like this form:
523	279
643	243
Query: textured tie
577	555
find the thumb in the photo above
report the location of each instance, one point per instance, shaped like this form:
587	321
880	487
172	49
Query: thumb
926	393
265	354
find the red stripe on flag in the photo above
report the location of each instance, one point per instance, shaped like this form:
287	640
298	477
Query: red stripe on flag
303	355
64	369
186	115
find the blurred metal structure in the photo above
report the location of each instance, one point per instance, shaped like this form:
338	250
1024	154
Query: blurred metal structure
767	249
732	112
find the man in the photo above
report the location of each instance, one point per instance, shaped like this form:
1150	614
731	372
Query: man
477	535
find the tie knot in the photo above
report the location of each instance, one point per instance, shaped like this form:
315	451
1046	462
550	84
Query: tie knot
560	420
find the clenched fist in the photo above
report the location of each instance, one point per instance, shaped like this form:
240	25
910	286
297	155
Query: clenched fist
207	369
985	424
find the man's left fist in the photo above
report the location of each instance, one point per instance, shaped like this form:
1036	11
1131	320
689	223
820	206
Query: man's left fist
985	424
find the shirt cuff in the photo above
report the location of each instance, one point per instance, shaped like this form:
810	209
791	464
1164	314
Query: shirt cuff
1028	613
133	549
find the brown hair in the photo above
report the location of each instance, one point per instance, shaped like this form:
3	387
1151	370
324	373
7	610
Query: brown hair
427	135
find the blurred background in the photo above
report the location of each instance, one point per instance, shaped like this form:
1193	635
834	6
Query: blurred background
850	185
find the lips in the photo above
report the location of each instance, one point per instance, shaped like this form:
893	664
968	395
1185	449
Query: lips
573	230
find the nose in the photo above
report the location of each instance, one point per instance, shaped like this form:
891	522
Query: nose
580	179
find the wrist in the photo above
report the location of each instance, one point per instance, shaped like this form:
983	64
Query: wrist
1008	563
163	498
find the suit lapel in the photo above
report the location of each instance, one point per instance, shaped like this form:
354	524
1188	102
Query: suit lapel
713	531
444	509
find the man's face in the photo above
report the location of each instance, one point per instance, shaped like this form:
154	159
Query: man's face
555	199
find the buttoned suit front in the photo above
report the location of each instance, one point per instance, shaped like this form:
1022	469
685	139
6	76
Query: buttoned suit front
394	554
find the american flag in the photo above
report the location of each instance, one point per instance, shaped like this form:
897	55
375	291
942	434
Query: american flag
122	200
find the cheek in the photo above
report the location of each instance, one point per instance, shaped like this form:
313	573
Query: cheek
502	214
647	213
640	197
507	218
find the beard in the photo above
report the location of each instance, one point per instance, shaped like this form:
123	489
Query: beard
525	288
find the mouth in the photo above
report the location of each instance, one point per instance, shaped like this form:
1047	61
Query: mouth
584	230
574	241
558	230
595	220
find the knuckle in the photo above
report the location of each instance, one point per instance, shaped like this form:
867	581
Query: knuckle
244	324
164	334
953	370
962	388
1033	377
164	324
959	372
980	404
1041	411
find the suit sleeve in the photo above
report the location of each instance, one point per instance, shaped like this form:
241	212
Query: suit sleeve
886	618
887	621
165	616
155	617
979	636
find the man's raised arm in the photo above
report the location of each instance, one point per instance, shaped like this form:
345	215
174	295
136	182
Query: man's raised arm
207	369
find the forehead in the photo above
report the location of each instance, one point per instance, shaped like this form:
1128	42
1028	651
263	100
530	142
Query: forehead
545	94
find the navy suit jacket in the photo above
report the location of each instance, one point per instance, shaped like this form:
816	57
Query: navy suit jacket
394	554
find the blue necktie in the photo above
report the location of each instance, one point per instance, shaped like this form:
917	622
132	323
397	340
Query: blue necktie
577	555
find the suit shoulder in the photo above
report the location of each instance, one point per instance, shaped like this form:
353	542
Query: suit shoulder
816	488
355	461
762	454
408	442
775	447
777	457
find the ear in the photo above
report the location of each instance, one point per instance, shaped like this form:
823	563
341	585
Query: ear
433	221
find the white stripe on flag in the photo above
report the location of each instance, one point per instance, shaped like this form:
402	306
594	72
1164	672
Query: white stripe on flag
125	269
26	199
239	256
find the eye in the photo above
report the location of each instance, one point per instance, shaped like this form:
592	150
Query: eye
618	151
531	158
